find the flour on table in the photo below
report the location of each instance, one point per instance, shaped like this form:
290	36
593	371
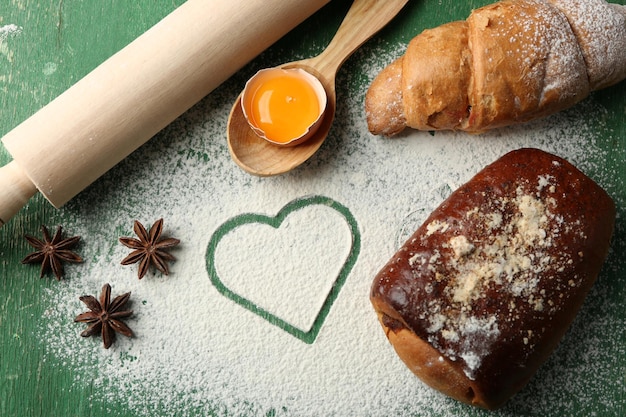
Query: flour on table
7	31
196	352
281	272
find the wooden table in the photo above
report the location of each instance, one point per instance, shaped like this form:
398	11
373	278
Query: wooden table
45	47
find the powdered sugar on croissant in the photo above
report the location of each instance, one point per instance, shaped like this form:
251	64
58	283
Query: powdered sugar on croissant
509	62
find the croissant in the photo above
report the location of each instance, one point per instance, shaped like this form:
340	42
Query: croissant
509	62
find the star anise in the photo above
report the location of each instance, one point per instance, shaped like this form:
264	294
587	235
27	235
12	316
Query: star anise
105	316
149	249
51	251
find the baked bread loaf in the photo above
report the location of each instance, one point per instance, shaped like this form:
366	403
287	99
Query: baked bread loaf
509	62
480	295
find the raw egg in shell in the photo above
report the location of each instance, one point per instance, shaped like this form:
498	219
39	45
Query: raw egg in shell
284	105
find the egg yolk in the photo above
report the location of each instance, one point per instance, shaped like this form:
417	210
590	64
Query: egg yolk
284	107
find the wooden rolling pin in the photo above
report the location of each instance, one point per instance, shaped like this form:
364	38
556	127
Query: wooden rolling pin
125	101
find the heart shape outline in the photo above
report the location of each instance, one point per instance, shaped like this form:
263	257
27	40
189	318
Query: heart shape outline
275	222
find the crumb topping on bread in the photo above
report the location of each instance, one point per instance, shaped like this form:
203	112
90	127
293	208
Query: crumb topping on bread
510	244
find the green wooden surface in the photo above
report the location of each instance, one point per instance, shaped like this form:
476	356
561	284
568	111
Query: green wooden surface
62	40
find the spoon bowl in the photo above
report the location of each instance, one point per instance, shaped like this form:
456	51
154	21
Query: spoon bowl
259	157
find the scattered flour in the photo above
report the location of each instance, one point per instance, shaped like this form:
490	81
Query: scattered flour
602	39
198	353
282	273
7	31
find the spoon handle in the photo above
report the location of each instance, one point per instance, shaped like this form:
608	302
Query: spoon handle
364	19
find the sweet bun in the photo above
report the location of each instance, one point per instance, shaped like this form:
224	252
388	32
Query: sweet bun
481	294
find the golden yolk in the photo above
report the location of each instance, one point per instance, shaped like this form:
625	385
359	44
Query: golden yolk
284	107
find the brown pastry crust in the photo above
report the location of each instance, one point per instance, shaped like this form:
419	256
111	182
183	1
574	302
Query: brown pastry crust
527	64
509	62
438	101
481	294
383	102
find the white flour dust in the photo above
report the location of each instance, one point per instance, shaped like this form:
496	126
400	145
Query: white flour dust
256	253
7	31
197	352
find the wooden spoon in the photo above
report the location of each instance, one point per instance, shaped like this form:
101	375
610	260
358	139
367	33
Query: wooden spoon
259	157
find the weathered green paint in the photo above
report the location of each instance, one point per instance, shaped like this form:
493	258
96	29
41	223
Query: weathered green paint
61	41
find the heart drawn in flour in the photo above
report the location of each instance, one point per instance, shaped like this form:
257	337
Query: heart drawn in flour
288	268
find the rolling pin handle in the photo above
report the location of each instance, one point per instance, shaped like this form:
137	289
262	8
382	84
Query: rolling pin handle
15	190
